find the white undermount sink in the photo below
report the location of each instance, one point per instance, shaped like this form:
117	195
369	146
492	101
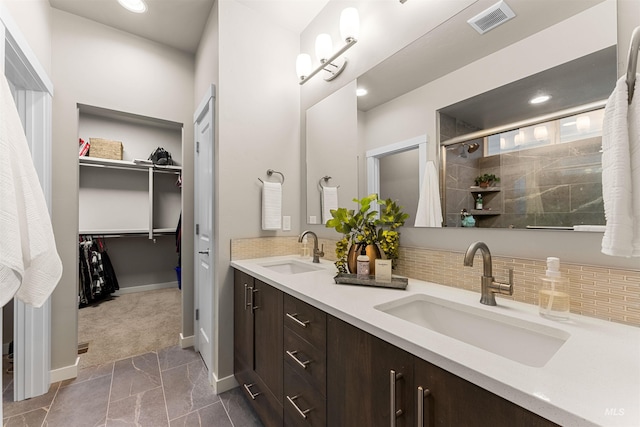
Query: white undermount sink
291	267
519	340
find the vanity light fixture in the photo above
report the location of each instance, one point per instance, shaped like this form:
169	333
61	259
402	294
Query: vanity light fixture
540	133
583	123
539	99
136	6
331	63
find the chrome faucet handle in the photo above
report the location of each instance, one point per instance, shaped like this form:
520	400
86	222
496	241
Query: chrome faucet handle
319	252
503	288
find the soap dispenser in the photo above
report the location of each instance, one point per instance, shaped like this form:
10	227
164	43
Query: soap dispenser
304	250
479	202
553	298
363	264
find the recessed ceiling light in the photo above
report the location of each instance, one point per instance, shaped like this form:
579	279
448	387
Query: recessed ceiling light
361	91
137	6
539	99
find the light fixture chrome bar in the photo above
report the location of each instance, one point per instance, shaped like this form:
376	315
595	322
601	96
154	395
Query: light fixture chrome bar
523	123
328	61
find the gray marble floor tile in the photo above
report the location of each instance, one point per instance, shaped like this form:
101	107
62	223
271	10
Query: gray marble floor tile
11	408
135	375
80	405
90	373
187	389
240	413
212	415
171	357
146	409
30	419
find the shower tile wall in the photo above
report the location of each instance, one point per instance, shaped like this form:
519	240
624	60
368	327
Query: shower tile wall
556	185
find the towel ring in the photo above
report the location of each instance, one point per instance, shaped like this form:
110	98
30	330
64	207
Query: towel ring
326	179
271	172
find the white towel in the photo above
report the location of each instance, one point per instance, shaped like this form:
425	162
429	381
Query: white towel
30	267
429	213
621	173
328	201
271	206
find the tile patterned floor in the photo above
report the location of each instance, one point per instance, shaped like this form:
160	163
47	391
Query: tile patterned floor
167	387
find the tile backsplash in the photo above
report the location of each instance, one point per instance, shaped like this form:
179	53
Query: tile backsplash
606	293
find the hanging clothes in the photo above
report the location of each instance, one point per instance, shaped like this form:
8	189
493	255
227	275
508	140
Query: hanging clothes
97	276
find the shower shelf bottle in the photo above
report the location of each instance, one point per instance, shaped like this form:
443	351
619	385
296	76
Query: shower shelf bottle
553	298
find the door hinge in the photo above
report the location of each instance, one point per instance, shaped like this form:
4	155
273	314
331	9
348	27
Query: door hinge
197	146
197	228
197	314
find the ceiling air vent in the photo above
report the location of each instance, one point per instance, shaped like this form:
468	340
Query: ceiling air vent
490	18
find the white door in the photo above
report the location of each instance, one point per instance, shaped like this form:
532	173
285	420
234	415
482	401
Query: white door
203	219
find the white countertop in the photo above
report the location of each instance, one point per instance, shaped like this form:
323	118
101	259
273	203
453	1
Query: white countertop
593	379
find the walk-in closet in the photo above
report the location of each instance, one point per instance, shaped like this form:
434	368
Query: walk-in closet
129	232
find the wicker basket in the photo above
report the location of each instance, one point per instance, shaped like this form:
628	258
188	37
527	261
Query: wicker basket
105	149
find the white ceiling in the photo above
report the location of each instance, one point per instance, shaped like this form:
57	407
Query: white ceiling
180	23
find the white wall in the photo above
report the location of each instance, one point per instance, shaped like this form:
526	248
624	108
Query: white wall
34	19
258	129
96	65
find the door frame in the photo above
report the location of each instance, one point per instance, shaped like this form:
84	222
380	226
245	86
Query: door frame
34	92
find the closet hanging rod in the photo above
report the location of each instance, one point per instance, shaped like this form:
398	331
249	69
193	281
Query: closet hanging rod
271	172
632	63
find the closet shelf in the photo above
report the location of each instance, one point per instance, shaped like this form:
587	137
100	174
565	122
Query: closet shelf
125	164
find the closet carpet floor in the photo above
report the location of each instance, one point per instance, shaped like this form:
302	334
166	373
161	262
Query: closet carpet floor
167	387
129	324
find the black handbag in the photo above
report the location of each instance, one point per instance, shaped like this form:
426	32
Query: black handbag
160	156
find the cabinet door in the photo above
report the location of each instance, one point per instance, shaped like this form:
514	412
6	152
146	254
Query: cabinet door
453	401
359	386
242	322
267	311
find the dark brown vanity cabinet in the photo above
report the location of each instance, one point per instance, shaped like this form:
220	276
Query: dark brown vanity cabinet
305	364
448	400
258	345
368	379
299	366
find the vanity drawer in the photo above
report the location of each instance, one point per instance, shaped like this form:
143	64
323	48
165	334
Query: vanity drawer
306	360
306	321
303	406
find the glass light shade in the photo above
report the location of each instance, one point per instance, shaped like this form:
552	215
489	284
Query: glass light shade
137	6
503	143
540	133
583	123
303	65
518	139
349	24
324	47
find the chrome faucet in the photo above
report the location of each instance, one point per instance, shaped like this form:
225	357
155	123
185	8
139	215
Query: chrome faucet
317	253
489	286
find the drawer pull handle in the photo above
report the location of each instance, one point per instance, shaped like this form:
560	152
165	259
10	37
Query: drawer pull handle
298	321
302	413
252	301
395	413
422	394
251	394
292	354
246	304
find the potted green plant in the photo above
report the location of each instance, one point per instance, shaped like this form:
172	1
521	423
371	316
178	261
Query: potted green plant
485	180
365	227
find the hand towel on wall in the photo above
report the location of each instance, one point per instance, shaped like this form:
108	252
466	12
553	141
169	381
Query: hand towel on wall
271	206
429	212
621	173
328	201
30	267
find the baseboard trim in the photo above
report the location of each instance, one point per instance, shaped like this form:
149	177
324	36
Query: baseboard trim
65	373
143	288
186	342
223	384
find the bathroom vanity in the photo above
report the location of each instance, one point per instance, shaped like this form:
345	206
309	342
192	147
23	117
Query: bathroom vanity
308	351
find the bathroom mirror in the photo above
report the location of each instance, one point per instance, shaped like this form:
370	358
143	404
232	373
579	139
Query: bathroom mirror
451	64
